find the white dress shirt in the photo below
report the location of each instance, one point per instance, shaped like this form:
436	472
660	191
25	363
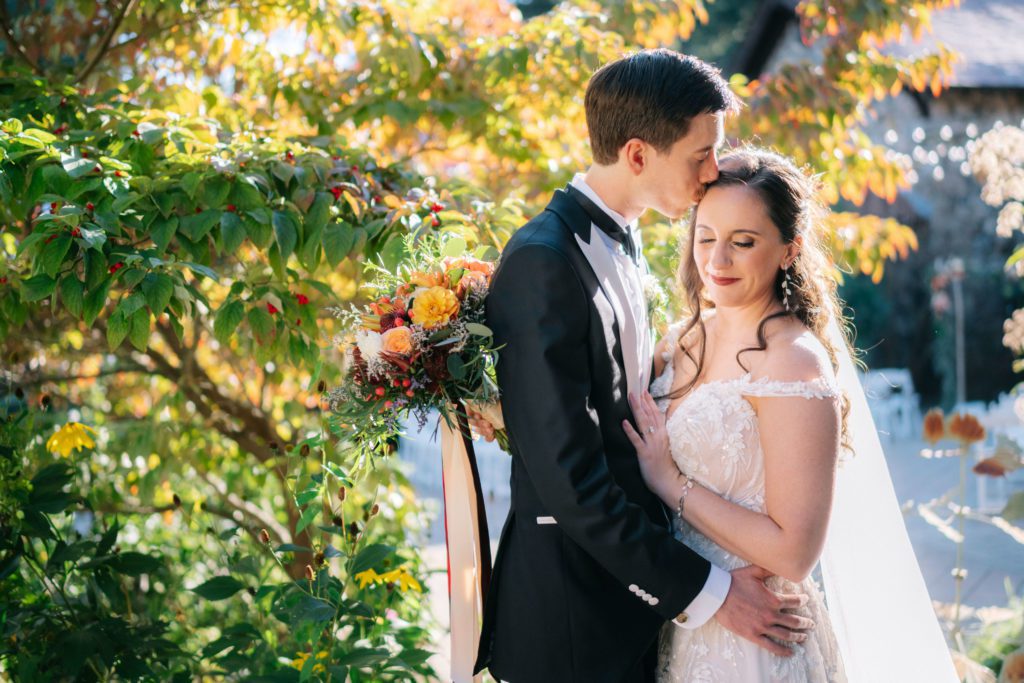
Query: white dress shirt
630	274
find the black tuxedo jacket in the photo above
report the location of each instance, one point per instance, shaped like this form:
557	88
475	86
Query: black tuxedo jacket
587	570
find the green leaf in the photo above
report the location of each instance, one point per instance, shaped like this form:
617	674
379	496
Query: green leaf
218	588
138	335
158	288
1015	257
200	270
308	515
196	226
117	330
313	609
371	556
393	251
94	239
71	294
362	657
124	201
232	232
189	182
262	324
94	300
37	287
479	330
228	318
130	304
259	231
456	367
134	564
52	255
456	246
285	233
162	230
337	241
319	212
215	191
77	166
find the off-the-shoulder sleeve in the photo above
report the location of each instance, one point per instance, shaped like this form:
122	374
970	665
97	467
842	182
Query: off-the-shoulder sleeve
819	387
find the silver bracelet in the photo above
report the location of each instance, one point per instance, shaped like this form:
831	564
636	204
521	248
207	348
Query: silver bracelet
687	485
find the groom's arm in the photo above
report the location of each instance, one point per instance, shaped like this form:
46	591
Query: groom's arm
539	313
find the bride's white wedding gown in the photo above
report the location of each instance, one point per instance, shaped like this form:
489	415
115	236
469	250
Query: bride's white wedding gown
714	439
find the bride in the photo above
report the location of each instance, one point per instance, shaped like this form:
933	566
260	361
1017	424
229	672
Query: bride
757	434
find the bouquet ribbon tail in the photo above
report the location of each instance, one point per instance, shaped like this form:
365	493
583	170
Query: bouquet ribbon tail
468	544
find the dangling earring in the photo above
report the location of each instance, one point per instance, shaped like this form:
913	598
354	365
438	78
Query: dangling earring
785	288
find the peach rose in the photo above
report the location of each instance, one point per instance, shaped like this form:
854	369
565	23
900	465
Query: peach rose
426	279
397	340
471	279
470	264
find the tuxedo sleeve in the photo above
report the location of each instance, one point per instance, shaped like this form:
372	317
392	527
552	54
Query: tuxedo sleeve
540	313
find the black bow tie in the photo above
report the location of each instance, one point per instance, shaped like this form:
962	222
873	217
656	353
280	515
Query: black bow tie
604	221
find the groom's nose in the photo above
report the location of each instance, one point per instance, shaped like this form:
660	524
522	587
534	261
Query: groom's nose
709	169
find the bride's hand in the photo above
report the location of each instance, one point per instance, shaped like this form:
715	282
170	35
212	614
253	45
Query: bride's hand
652	447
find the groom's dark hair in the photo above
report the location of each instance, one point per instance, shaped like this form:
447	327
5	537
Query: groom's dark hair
651	95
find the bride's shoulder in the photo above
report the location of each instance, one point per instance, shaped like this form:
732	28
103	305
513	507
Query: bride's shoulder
794	354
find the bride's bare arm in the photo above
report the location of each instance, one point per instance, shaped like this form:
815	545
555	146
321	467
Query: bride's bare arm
800	439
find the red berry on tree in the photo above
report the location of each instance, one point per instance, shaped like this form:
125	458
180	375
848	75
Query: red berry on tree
355	169
85	155
118	174
116	267
336	191
435	207
272	309
231	208
198	210
435	221
97	168
89	206
76	233
302	299
3	280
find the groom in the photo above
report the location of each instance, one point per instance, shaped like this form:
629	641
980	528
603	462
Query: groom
587	569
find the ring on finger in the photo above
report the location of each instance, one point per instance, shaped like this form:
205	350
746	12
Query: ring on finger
650	430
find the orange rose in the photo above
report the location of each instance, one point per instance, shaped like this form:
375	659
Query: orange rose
434	307
397	340
426	279
471	264
471	279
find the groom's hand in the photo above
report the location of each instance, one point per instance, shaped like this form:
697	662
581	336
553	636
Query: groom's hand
480	424
752	611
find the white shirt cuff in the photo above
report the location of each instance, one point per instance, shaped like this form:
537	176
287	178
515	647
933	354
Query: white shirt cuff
707	601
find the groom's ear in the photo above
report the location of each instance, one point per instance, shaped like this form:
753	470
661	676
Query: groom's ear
635	154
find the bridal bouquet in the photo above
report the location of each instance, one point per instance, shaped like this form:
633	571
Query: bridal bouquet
419	345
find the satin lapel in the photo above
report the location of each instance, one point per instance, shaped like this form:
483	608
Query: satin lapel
603	265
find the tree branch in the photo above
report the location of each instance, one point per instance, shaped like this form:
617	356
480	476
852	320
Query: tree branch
115	23
223	513
16	47
129	368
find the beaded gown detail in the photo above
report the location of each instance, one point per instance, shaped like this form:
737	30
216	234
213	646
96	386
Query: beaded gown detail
714	438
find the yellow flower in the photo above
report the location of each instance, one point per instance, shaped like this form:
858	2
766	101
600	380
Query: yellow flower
300	661
72	435
404	579
434	307
367	577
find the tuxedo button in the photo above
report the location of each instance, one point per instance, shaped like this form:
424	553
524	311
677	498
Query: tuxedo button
653	601
633	588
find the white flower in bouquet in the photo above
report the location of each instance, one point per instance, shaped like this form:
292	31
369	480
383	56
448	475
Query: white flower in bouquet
370	344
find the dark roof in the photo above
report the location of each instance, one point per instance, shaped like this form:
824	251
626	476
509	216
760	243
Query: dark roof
988	34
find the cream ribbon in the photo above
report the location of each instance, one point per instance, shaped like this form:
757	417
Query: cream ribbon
466	564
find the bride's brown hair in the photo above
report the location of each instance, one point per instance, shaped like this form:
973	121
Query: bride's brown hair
788	195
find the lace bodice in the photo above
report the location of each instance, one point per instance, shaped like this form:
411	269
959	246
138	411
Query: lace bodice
715	439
